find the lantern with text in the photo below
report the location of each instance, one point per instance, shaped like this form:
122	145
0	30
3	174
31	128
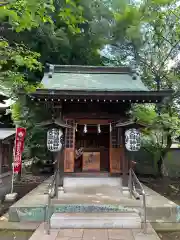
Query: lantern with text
133	140
54	139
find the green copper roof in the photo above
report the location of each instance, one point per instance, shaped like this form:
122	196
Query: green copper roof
92	78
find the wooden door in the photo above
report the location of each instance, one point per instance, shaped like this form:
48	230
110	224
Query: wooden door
69	147
116	151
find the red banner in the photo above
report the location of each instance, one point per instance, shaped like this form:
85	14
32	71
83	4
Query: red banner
18	148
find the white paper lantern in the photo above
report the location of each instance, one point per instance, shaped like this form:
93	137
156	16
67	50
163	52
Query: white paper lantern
133	140
54	139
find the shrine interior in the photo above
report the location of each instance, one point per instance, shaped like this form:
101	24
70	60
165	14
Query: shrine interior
95	141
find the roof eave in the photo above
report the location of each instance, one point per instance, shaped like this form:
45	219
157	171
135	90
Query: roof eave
9	137
132	123
56	122
145	96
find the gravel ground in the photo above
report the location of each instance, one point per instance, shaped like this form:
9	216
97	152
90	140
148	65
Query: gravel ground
15	235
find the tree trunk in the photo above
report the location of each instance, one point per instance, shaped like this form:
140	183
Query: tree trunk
160	164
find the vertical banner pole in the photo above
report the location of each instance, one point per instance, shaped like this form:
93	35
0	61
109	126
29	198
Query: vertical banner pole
18	149
12	179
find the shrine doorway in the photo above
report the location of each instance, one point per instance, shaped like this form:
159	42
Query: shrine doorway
92	148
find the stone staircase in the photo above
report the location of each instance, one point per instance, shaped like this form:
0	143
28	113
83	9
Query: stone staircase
94	203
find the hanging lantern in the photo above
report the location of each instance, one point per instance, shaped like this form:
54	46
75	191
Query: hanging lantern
133	140
54	139
85	128
110	127
99	128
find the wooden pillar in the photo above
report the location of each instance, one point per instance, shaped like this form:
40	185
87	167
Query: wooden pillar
126	161
1	156
6	154
61	168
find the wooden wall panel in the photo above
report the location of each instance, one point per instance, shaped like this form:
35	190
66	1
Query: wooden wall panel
115	160
69	147
69	160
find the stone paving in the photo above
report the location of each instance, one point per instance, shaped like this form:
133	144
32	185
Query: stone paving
95	234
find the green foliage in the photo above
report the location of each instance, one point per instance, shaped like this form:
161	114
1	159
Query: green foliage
149	37
72	16
23	14
36	32
161	130
15	59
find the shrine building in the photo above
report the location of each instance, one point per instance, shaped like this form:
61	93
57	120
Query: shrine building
94	101
7	135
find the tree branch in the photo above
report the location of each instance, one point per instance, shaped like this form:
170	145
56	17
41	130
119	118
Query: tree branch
173	47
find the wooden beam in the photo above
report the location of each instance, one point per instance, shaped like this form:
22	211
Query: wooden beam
107	117
1	156
93	121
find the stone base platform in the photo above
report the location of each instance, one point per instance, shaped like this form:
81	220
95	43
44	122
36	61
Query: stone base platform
104	194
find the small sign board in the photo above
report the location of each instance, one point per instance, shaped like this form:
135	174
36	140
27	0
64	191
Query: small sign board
133	140
54	139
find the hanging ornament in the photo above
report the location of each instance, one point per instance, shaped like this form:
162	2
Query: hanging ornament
85	128
76	127
110	127
99	128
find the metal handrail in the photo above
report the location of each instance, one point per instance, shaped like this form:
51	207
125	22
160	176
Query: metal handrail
48	206
132	179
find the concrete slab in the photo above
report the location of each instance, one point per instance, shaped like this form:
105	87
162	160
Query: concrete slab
76	233
95	220
95	234
120	234
20	226
37	197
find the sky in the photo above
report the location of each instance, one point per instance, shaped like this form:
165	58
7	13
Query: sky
172	63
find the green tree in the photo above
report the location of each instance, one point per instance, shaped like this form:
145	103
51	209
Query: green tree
19	62
147	35
63	32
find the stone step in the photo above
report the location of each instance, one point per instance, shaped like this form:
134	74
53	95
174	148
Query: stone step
91	208
94	220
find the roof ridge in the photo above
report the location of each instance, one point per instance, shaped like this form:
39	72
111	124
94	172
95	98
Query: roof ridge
89	69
